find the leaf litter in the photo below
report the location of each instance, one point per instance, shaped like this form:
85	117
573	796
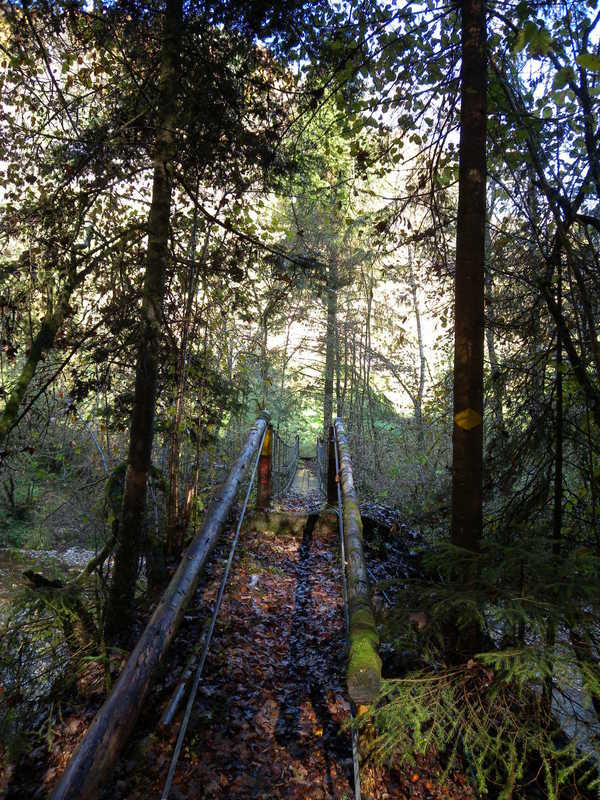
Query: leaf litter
271	717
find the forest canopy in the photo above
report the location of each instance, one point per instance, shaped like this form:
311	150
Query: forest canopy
383	212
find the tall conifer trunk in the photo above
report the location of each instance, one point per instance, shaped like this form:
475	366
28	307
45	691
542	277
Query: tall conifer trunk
557	510
418	402
330	349
122	591
467	456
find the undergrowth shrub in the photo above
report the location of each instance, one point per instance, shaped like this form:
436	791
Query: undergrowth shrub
47	639
539	622
478	713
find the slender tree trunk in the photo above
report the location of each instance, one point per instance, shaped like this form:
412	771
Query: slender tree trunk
491	348
264	359
338	373
342	402
422	364
368	355
360	386
332	279
352	387
40	344
122	591
467	456
558	491
490	327
175	533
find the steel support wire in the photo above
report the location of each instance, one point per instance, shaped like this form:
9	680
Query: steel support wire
320	467
355	762
285	465
292	467
198	675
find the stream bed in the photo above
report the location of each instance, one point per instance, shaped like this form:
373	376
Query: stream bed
51	563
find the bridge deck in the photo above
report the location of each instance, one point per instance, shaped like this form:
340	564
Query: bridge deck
306	480
268	718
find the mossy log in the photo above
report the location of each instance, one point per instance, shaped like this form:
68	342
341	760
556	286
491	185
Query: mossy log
281	523
363	676
114	722
69	610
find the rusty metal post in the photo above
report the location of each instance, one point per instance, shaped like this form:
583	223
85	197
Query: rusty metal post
331	470
264	488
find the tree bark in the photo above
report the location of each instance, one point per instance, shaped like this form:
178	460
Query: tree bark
469	285
119	610
467	453
175	531
418	400
330	347
43	341
332	279
548	686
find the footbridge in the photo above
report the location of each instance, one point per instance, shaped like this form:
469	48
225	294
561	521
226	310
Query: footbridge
267	469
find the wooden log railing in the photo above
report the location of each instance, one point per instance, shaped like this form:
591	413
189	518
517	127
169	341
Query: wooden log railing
363	676
109	732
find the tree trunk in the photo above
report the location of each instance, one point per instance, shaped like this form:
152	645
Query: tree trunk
338	373
330	347
558	493
491	348
490	328
175	531
264	358
467	455
418	402
342	401
41	343
119	611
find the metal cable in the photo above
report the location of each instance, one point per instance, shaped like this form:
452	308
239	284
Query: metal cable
321	457
293	466
194	689
285	467
355	763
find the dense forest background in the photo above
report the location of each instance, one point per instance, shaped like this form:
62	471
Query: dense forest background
382	211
